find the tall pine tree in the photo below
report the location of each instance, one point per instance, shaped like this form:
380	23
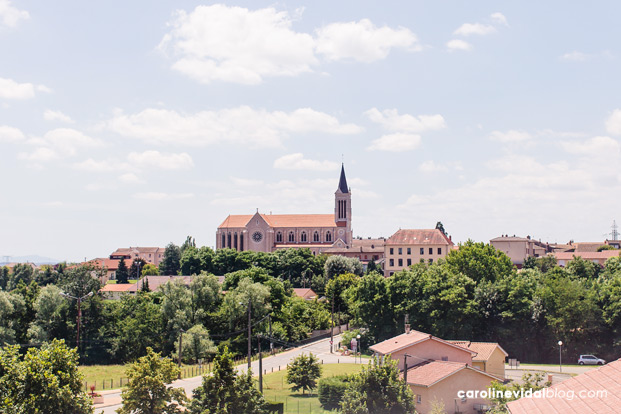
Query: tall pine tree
122	273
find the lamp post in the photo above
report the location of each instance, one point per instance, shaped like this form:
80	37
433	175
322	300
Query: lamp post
560	364
80	299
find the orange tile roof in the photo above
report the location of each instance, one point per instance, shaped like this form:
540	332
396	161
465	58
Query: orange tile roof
282	220
431	372
416	237
606	380
408	339
306	293
155	282
116	287
604	254
484	350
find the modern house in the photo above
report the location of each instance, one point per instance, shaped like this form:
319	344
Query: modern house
490	356
437	370
519	248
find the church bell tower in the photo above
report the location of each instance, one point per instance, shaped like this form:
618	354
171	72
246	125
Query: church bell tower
342	209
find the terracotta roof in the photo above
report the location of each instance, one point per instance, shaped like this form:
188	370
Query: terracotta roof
604	254
511	238
588	247
306	293
606	380
416	237
155	282
282	220
110	264
484	350
116	287
408	339
431	372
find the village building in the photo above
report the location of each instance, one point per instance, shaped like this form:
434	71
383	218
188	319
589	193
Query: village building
520	248
410	246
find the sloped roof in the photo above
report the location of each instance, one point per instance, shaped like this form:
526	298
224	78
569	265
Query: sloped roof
419	236
604	254
116	287
282	220
155	282
306	293
588	247
606	379
431	372
343	181
484	350
405	340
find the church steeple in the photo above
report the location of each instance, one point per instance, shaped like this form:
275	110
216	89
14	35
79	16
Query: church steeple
343	181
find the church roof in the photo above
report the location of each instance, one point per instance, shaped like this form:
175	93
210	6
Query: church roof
282	220
343	181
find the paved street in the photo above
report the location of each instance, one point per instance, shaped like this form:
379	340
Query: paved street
321	349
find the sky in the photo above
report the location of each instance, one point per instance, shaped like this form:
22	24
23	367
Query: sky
139	123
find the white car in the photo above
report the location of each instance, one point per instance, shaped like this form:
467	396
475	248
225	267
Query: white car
590	360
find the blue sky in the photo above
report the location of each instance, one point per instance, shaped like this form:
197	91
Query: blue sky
138	123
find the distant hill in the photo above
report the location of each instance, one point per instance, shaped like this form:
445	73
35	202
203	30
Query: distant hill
36	259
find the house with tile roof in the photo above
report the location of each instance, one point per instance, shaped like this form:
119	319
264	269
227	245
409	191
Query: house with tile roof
409	246
597	391
436	369
152	255
520	248
305	293
563	258
490	356
270	232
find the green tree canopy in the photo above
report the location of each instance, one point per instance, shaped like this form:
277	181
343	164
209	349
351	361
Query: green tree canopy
303	373
122	273
135	270
226	391
170	263
147	391
479	261
339	265
196	344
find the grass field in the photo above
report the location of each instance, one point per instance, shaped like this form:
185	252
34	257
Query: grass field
276	389
106	377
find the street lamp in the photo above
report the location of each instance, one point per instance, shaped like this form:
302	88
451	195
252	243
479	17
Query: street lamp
80	299
560	347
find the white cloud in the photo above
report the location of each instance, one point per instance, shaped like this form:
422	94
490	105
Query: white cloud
392	121
499	18
50	115
510	136
613	123
59	143
431	166
458	44
101	166
157	196
297	162
9	89
575	56
246	182
596	147
11	16
468	29
234	44
130	178
362	41
160	160
396	142
242	125
10	134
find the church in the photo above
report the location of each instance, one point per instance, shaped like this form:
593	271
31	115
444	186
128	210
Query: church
270	232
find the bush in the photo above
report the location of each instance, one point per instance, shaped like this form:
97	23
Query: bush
331	391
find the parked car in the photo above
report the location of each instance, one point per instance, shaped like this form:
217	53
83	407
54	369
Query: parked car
590	360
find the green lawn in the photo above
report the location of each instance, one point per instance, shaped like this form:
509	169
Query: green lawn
106	377
276	389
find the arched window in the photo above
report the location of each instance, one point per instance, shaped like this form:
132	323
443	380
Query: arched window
328	236
241	242
235	241
316	236
303	237
229	241
279	237
291	237
223	244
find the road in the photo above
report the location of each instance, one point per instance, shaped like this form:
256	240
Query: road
553	370
320	348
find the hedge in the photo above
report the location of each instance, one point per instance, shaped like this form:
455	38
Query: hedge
331	390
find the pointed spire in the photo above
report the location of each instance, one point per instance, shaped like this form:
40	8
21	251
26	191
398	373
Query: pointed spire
343	181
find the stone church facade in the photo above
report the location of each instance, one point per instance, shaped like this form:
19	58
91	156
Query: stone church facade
270	232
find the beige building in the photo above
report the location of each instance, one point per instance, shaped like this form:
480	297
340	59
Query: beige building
490	357
563	258
270	232
151	255
408	247
437	370
519	248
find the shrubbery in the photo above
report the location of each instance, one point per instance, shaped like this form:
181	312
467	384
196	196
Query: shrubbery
331	390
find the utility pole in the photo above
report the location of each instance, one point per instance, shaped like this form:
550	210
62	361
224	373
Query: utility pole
260	365
269	318
180	349
80	299
249	332
405	366
332	325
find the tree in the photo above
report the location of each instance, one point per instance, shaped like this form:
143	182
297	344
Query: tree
304	372
147	391
7	333
51	316
46	380
336	287
189	242
170	263
338	265
135	269
606	247
480	261
22	272
150	270
122	274
226	391
4	277
370	305
46	276
530	381
196	344
440	227
379	390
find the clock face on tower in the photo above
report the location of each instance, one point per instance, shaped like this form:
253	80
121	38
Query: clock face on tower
257	236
